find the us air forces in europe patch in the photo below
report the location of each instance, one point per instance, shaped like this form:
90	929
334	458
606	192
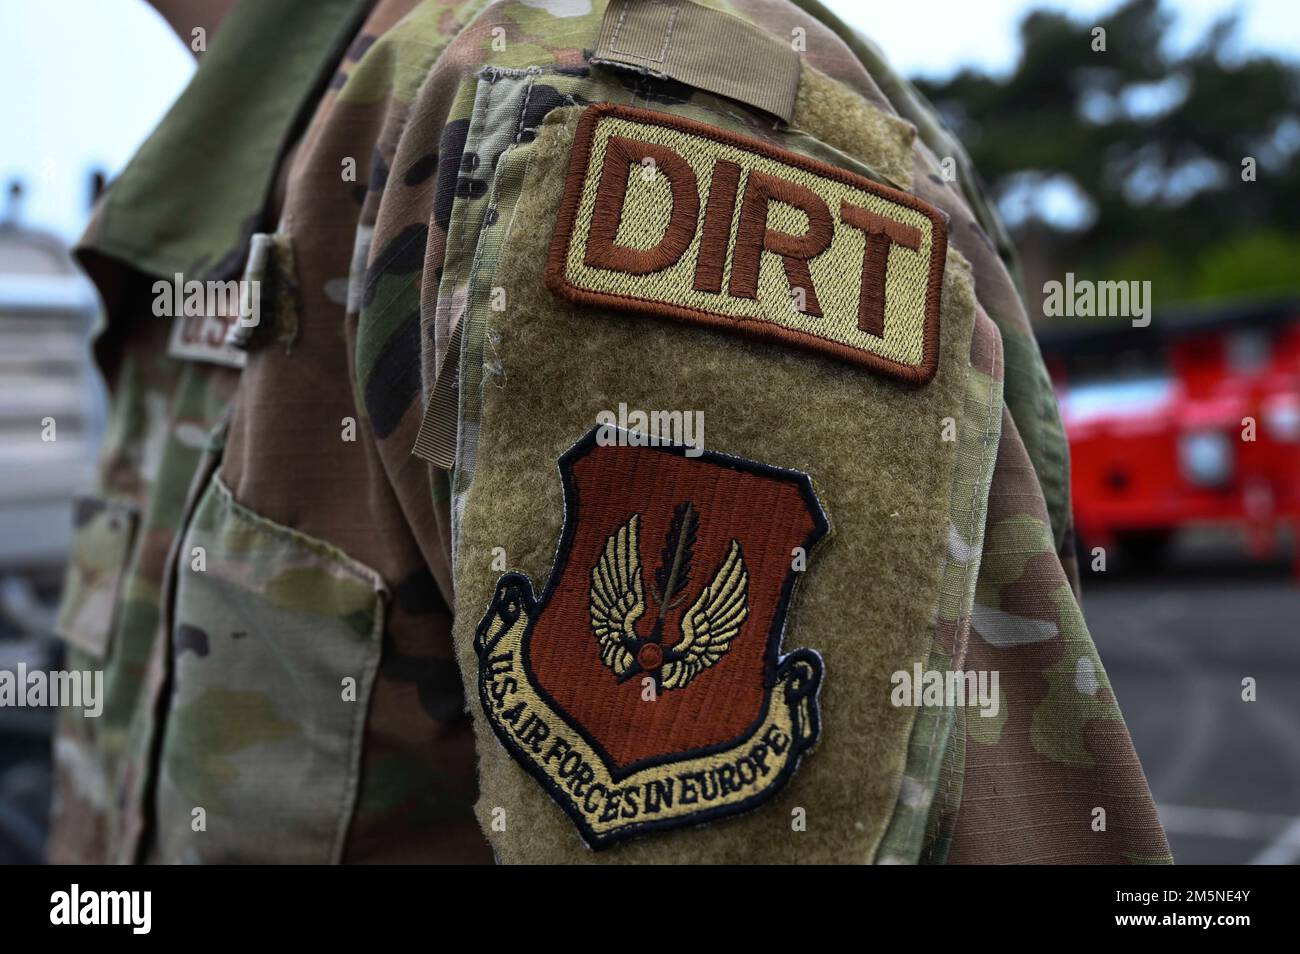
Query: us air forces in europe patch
645	688
665	216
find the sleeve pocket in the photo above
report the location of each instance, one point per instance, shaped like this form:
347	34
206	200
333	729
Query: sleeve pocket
275	639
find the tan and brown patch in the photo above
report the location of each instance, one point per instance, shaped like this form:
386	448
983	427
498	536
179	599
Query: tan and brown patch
721	229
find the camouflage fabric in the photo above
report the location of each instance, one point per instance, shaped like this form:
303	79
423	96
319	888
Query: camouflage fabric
162	409
410	760
1057	761
103	531
318	636
158	425
236	740
922	791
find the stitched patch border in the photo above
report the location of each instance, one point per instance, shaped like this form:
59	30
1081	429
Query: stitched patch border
579	171
509	683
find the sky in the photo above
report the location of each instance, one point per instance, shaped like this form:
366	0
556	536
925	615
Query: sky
984	32
86	80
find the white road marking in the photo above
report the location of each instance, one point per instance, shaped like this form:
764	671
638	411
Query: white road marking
1225	822
1282	832
1284	850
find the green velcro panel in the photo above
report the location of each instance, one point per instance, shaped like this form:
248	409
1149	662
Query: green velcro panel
869	601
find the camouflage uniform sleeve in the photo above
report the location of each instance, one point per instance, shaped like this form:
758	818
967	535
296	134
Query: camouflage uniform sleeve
1052	778
443	264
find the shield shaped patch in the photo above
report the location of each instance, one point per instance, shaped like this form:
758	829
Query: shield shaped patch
645	688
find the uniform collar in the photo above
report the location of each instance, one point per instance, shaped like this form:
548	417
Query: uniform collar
196	191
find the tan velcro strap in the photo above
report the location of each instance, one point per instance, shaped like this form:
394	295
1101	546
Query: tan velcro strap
436	440
707	49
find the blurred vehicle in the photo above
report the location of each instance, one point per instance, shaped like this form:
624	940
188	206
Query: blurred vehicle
1194	420
51	419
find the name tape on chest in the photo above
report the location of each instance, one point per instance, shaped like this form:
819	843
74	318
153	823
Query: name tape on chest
204	338
669	217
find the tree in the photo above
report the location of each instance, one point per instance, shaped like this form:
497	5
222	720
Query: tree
1128	162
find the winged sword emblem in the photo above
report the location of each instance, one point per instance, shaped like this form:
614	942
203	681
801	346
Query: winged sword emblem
666	572
618	603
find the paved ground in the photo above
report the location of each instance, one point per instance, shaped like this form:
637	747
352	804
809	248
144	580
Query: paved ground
1226	773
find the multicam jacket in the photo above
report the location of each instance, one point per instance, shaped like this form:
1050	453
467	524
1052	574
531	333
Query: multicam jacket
392	572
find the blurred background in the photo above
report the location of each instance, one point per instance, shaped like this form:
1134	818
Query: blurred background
1171	157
